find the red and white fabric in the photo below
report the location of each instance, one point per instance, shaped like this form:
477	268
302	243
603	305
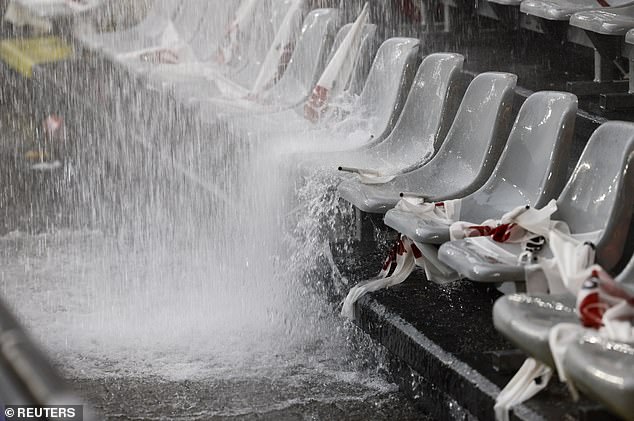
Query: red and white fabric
407	254
338	71
399	264
244	14
279	54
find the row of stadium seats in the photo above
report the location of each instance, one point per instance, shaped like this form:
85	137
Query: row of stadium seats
606	27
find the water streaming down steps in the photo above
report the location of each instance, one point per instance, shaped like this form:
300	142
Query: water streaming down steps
206	269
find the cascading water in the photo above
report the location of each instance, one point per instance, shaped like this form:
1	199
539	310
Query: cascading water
195	257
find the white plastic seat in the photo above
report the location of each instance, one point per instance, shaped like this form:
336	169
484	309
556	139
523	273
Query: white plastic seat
181	27
385	90
244	67
293	118
371	114
170	86
529	172
558	13
526	320
465	159
615	21
507	2
199	94
603	370
305	66
52	9
562	10
150	27
196	58
605	28
427	115
596	199
365	56
122	60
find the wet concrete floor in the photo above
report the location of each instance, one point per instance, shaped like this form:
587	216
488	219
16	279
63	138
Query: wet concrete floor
36	203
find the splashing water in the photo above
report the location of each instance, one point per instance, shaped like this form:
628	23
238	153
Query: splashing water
202	256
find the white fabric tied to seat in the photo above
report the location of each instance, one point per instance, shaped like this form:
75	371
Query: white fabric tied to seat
572	254
531	378
604	312
407	254
602	304
239	23
569	267
339	68
280	52
397	267
520	226
445	213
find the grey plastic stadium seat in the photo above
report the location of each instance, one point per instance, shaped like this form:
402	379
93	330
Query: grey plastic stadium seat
185	20
267	19
603	370
465	159
427	115
605	28
562	10
529	171
202	49
526	319
169	86
365	56
615	21
305	66
203	87
557	14
369	47
54	9
378	105
386	87
308	61
276	93
597	197
507	2
150	28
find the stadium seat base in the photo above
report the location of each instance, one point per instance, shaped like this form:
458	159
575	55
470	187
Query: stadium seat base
587	88
616	101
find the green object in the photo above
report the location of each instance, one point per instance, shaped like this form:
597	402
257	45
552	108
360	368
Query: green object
22	54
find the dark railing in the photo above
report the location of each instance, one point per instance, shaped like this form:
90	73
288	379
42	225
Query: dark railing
27	377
